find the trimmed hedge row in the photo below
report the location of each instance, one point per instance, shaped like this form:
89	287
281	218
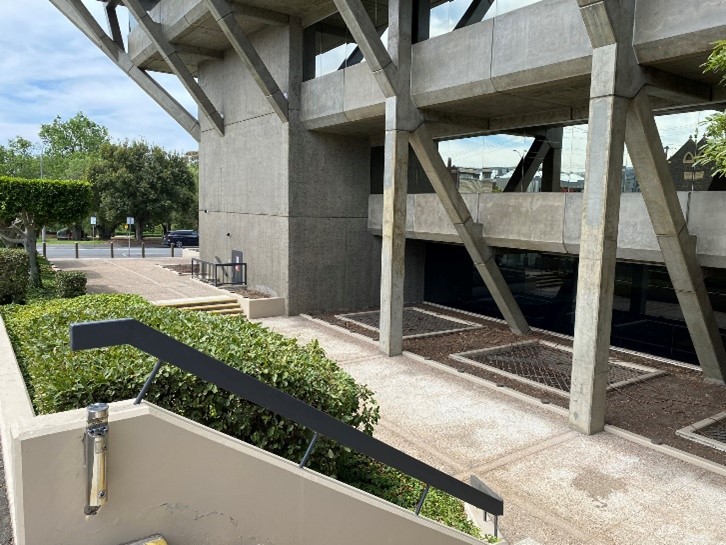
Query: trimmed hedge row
63	380
14	277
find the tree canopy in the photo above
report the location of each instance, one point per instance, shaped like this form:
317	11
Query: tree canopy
26	205
143	181
713	153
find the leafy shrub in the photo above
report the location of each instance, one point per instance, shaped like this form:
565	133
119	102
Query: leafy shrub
13	275
62	380
70	284
405	491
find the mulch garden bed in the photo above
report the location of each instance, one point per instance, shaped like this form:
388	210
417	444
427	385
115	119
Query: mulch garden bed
654	408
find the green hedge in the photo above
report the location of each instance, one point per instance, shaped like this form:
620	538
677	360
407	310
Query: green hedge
63	380
14	277
70	284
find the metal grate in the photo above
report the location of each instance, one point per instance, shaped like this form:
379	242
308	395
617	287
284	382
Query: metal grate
416	322
716	432
548	365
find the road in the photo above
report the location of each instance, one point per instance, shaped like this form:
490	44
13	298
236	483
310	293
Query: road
60	251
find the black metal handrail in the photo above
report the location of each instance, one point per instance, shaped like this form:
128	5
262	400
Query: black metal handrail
208	271
134	333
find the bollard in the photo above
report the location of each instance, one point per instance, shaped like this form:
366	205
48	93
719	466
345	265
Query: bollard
143	249
44	247
111	250
172	250
76	245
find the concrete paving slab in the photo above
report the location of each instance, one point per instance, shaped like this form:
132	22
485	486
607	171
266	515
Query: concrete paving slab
145	277
559	487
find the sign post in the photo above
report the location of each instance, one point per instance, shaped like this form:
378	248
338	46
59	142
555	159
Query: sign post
93	228
129	223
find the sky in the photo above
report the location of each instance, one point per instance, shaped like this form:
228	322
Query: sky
49	68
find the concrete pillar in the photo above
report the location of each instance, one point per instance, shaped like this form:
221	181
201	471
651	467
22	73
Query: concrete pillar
596	272
393	252
395	181
552	164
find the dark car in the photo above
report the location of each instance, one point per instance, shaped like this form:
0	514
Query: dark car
181	238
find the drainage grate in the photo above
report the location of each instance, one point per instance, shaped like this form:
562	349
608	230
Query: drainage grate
548	365
417	322
710	432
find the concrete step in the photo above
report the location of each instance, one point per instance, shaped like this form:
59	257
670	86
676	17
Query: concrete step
197	301
213	306
227	311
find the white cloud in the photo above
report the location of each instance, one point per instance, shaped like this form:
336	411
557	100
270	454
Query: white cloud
50	68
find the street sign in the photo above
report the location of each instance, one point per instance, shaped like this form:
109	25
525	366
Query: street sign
130	220
93	220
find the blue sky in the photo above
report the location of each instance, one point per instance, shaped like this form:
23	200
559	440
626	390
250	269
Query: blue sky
49	68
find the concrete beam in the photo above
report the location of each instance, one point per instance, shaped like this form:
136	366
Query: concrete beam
76	12
470	233
678	247
211	54
596	272
171	56
366	36
678	89
225	17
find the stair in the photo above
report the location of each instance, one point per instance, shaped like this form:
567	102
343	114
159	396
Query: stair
222	305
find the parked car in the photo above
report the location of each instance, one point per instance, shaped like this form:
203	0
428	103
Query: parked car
181	238
64	234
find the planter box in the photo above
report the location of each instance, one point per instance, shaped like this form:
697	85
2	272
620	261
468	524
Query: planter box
263	308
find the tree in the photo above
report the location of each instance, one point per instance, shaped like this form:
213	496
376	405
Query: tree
17	159
713	153
142	181
77	135
26	205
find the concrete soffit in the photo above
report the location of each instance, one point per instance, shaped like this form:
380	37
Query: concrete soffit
77	13
170	54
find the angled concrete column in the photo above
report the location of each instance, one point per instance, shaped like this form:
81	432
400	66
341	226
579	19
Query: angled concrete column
76	12
225	17
528	165
470	232
596	272
155	34
392	72
677	245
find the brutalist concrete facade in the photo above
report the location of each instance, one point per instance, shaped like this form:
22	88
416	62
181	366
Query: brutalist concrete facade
286	157
294	201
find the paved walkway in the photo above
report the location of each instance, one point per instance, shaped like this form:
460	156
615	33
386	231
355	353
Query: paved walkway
559	487
145	277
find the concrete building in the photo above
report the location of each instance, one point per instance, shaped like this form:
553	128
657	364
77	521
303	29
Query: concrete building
314	178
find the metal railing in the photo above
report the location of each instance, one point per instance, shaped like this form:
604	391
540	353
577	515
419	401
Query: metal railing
168	350
219	273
